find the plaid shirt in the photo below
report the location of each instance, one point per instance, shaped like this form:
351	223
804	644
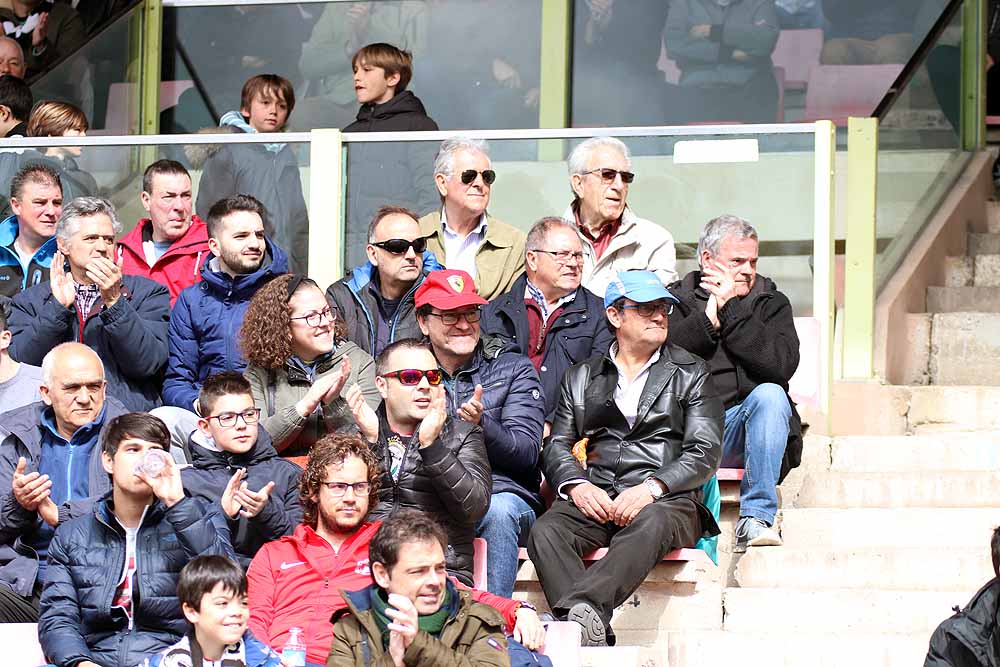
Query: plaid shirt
86	297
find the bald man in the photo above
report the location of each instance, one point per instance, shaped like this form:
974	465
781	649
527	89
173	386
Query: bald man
11	58
50	464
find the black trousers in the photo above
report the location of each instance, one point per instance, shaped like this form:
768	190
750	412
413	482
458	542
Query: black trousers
17	609
561	535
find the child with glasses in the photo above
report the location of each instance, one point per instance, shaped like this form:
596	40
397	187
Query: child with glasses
235	466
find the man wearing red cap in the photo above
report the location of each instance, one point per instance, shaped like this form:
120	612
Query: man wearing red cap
497	389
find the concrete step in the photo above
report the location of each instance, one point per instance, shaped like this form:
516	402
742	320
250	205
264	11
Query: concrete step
878	528
993	216
957	408
960	342
900	489
838	611
983	244
963	300
779	649
895	569
979	271
622	656
977	451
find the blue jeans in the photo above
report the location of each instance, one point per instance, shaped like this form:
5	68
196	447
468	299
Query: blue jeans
508	520
755	438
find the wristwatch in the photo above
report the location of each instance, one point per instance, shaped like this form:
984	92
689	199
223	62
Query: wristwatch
527	605
655	489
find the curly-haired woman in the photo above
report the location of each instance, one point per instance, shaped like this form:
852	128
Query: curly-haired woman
299	366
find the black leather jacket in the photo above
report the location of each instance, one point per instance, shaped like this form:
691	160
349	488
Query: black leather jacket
450	480
677	436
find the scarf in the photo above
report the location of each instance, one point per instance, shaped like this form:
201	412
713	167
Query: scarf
187	653
238	120
432	624
29	24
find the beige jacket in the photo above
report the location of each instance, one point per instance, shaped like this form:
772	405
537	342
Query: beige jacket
639	244
499	260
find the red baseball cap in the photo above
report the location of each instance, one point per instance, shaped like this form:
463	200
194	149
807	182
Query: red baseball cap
447	290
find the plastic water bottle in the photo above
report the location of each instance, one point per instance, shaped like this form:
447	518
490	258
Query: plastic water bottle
294	652
152	465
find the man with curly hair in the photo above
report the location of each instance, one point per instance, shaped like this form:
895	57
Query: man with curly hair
296	581
207	316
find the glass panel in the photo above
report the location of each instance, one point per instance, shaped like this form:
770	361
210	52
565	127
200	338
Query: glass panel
279	179
920	152
774	191
96	78
465	76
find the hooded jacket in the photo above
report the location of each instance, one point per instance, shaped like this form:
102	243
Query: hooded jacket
130	337
472	636
272	176
74	181
86	558
757	340
21	430
205	325
178	267
209	473
352	298
403	113
13	278
971	637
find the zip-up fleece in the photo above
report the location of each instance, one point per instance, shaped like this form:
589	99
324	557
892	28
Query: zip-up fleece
13	277
178	267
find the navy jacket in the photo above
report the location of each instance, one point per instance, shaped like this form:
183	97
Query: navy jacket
13	277
513	415
86	558
205	326
579	333
22	436
130	337
210	472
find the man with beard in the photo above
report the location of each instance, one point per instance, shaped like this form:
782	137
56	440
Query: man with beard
742	325
207	316
296	581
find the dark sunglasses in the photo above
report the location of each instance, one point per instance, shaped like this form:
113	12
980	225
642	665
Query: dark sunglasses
410	377
400	246
469	175
608	175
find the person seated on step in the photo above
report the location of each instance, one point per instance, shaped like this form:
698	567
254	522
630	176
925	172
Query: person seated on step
636	434
742	325
969	637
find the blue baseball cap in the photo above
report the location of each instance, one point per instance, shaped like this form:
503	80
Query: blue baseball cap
639	286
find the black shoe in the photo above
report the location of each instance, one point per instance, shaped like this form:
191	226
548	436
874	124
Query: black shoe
593	627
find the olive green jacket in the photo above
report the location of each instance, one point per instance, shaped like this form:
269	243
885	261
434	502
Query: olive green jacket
499	260
472	637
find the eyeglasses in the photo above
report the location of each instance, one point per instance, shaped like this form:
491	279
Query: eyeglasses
314	319
228	419
451	319
608	175
650	309
338	489
410	377
563	256
469	175
400	246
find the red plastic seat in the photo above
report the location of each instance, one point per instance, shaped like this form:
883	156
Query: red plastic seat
838	91
797	51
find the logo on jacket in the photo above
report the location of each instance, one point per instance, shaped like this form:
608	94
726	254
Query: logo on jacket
288	566
457	283
363	568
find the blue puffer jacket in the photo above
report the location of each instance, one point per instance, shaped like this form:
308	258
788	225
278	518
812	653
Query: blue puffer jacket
13	277
205	325
86	558
513	415
130	337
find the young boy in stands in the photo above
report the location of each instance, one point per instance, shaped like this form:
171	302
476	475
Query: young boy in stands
213	595
234	464
15	106
269	172
381	74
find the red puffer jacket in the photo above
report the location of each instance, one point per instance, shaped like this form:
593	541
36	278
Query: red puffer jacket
296	582
178	267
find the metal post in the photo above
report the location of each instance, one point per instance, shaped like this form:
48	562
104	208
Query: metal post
825	142
326	219
149	80
554	82
859	279
974	18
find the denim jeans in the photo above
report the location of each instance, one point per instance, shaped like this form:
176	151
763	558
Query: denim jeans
755	438
506	523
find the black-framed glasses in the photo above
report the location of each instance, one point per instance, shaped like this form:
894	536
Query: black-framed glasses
400	246
228	419
411	377
650	309
469	175
563	256
314	319
608	175
338	489
451	319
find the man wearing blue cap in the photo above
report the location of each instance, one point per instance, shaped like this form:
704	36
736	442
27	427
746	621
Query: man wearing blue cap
742	326
636	433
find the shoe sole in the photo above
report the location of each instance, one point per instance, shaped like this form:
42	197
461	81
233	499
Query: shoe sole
765	540
593	627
